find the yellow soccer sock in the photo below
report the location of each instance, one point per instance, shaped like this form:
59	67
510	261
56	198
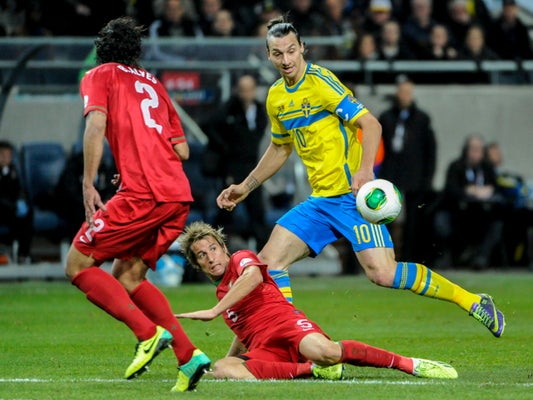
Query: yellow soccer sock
282	279
421	280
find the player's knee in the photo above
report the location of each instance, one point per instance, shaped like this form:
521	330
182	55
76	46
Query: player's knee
329	353
220	369
227	369
76	262
381	275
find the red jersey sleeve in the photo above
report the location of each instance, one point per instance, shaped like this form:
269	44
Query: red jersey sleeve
246	258
93	89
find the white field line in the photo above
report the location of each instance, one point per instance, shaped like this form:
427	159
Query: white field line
299	381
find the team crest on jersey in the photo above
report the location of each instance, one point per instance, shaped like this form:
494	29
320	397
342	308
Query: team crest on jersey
245	261
281	109
306	107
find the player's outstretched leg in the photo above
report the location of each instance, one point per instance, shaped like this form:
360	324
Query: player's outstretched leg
433	369
486	312
423	281
146	351
190	373
364	355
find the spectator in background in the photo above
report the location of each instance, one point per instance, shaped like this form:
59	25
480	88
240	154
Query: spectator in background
224	25
206	15
14	212
236	132
439	47
365	48
469	221
338	24
306	17
475	49
409	162
509	36
173	23
518	223
310	22
379	12
391	44
417	28
460	21
477	9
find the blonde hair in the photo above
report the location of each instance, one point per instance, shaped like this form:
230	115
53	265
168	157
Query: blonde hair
194	232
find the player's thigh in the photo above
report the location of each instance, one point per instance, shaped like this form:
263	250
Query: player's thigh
77	262
319	349
231	368
173	219
283	248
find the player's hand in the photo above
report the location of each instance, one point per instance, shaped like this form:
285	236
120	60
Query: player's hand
201	315
360	178
91	200
231	196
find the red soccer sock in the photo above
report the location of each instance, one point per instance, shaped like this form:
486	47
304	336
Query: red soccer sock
106	292
278	370
156	307
361	354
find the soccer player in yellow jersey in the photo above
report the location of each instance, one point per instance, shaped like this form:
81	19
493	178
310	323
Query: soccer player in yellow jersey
313	112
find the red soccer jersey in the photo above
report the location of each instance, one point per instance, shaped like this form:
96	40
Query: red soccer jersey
142	127
255	318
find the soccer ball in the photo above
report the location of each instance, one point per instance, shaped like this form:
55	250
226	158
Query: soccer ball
379	201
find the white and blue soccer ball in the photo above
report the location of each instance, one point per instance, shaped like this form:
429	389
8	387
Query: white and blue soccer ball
379	201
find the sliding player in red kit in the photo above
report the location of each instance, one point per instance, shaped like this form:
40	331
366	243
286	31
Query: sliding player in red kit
276	340
129	106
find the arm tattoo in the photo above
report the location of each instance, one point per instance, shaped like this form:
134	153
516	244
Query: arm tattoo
252	183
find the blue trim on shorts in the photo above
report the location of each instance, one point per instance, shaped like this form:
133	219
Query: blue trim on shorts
319	221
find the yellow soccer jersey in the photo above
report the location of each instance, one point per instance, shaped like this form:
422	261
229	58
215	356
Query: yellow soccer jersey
317	115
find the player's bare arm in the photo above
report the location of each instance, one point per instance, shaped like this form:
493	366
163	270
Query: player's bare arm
93	148
182	150
371	137
272	160
247	282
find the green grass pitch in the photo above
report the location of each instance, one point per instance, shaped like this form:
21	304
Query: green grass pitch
54	344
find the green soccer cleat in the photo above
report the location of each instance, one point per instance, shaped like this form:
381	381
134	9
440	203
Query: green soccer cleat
331	372
486	312
433	369
146	351
190	373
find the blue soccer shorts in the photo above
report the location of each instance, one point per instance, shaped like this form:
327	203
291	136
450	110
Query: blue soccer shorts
319	221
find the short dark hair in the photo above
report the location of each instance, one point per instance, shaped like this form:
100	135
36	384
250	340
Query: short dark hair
119	41
4	144
280	27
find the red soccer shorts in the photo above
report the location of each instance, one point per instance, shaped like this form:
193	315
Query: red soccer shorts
132	227
282	341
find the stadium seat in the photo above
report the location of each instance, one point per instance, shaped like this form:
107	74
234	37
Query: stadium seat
42	164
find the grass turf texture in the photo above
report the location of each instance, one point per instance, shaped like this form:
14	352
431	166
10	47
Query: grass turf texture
54	344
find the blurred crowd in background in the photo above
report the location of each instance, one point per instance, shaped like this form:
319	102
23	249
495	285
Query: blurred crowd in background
374	29
481	218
